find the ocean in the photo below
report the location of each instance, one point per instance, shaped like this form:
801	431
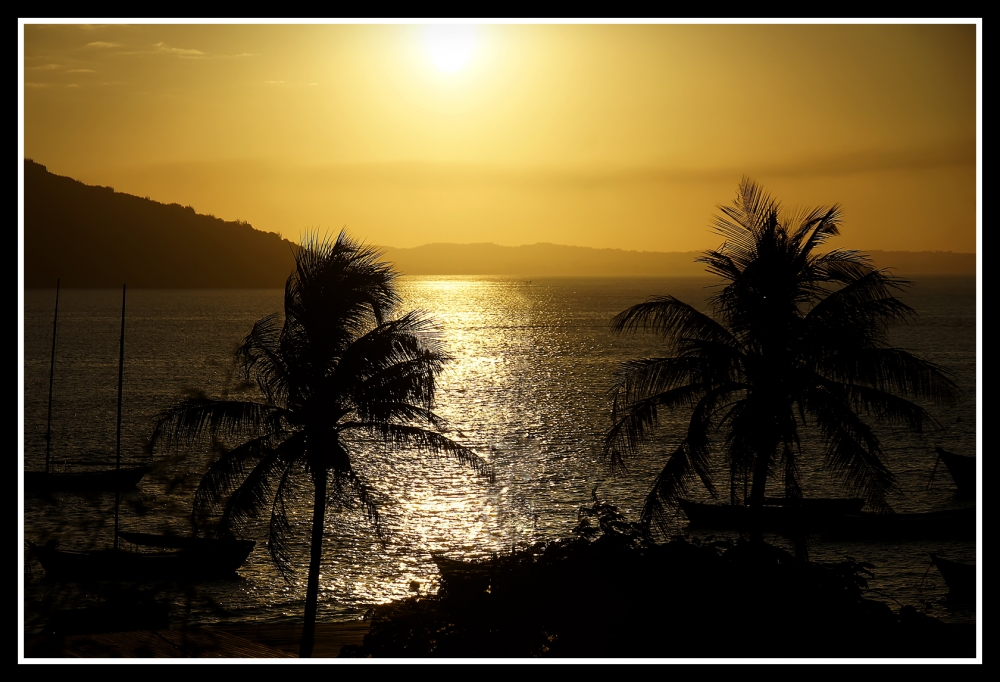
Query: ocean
526	387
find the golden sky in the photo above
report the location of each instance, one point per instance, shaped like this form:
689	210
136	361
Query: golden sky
623	136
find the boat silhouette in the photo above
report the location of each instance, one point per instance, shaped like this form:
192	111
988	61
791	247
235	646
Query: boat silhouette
945	524
962	469
197	559
117	479
960	577
774	513
176	558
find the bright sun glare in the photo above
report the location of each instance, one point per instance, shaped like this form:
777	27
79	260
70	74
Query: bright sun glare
450	47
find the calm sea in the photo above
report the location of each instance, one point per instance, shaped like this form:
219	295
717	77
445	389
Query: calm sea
527	388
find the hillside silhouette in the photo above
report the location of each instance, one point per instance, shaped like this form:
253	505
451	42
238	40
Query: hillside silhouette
94	237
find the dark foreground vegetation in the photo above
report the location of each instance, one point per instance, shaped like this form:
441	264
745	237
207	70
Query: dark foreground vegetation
610	592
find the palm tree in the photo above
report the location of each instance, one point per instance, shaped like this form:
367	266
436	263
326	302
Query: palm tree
798	336
339	371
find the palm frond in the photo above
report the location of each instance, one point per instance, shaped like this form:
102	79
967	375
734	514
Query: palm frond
816	227
260	361
867	300
375	414
245	505
279	528
338	290
752	212
845	266
196	418
790	467
634	422
425	440
364	494
698	363
633	425
890	371
388	366
671	318
883	406
639	379
702	422
853	451
739	451
668	487
720	263
226	474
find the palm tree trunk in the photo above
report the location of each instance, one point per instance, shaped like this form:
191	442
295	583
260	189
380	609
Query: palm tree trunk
761	463
315	555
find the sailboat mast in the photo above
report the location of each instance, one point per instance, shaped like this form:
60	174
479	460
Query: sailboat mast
52	372
118	427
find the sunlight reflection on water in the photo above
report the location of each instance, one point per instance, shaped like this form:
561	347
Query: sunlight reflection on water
526	388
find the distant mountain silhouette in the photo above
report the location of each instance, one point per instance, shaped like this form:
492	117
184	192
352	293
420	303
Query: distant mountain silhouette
925	262
540	260
91	236
553	260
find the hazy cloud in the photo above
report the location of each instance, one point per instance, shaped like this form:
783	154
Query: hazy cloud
101	43
179	50
957	153
45	67
415	173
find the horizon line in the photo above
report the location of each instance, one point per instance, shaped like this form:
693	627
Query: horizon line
616	248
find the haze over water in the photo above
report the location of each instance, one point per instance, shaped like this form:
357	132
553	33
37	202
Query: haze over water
527	388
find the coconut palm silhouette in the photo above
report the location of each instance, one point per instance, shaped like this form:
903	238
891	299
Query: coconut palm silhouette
798	335
339	370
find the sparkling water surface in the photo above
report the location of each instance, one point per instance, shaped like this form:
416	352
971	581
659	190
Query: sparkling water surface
532	362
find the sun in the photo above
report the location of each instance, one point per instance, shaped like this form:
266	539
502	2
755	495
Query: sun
450	46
